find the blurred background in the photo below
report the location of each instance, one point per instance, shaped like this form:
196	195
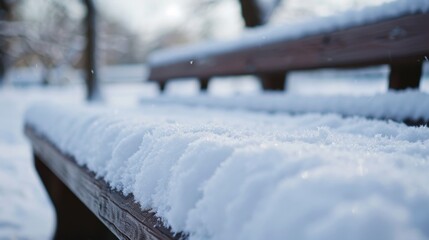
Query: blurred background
45	39
43	52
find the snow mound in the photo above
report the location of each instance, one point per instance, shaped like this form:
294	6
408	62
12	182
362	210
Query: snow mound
238	175
395	105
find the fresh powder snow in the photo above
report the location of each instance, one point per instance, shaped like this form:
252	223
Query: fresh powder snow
395	105
234	174
25	210
227	172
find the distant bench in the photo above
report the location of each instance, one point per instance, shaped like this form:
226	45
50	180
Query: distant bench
401	42
86	207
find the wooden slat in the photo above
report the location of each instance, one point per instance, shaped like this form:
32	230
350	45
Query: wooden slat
122	215
403	39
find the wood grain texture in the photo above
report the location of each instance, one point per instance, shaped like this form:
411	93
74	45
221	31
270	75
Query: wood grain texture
121	214
73	219
394	41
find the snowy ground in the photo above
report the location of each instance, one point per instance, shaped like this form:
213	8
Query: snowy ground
25	211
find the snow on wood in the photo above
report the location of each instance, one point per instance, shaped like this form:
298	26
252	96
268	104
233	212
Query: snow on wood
394	105
25	210
287	31
238	175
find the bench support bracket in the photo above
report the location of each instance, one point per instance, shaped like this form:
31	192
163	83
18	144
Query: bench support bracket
405	75
273	81
161	86
204	84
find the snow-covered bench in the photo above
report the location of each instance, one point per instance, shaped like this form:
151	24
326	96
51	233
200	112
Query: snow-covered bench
394	34
211	175
87	208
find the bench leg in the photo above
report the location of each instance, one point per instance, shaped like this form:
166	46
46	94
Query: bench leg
403	76
161	86
204	84
273	81
74	219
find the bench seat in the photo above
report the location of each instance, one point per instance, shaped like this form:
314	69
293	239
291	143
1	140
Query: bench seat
227	173
84	201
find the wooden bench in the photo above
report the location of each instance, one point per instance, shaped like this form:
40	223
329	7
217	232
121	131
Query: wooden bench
401	42
86	206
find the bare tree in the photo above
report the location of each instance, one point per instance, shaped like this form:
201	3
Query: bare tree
252	13
92	85
257	12
53	40
6	14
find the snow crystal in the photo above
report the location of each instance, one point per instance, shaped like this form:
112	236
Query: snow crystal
231	174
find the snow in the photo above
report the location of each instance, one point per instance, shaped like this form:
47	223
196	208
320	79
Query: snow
395	105
216	169
290	31
179	159
235	174
267	8
25	210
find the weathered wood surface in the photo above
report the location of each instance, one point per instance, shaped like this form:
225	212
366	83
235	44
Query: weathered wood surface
397	41
73	219
122	215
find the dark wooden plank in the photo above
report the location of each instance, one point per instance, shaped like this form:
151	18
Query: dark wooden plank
74	219
403	76
121	214
394	41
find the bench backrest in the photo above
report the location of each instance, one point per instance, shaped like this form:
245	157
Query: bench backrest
402	42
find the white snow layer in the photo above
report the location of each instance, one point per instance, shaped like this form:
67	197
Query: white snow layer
395	105
240	175
25	210
289	31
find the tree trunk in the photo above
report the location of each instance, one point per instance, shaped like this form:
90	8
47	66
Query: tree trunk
6	14
91	81
256	12
252	13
